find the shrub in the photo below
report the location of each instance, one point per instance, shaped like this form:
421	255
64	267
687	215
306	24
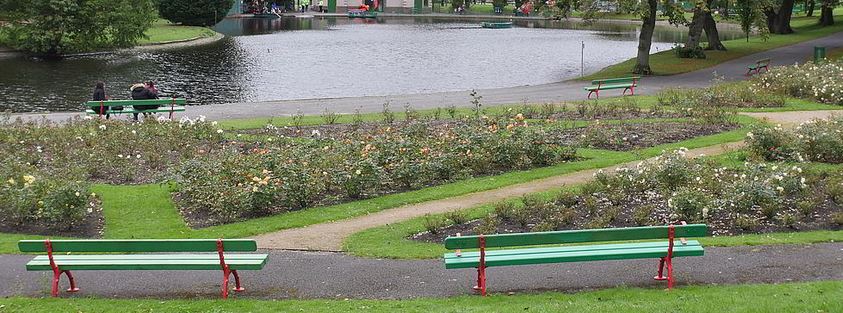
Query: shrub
818	82
433	224
690	204
689	53
196	13
51	202
771	144
457	217
818	140
837	218
488	225
505	210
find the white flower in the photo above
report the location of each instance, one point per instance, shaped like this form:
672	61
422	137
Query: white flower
201	118
102	127
214	123
219	131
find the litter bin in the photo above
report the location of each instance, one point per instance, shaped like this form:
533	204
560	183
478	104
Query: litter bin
819	54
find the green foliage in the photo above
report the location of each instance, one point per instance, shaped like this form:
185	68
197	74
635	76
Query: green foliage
689	204
818	141
54	203
689	53
816	82
193	12
56	27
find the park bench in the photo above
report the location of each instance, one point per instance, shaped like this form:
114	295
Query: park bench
625	83
170	106
516	251
757	66
131	255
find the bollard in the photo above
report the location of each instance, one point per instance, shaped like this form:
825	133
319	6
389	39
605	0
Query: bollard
819	54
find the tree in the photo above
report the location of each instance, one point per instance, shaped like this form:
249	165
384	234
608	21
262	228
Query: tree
751	14
809	7
827	12
778	14
51	28
711	33
194	12
647	11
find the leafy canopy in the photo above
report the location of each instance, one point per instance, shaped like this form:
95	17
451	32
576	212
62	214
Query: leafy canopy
55	27
194	12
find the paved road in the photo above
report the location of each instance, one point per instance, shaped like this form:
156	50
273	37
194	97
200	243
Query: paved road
554	92
331	275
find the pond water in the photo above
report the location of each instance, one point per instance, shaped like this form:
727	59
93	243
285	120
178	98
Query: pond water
298	58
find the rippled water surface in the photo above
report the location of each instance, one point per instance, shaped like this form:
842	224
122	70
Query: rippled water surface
295	58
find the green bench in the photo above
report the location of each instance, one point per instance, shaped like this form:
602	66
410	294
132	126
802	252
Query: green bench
625	83
181	254
170	106
757	66
516	252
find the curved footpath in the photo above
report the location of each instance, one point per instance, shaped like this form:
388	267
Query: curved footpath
553	92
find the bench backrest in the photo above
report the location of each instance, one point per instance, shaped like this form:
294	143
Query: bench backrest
138	245
575	236
763	62
633	79
111	103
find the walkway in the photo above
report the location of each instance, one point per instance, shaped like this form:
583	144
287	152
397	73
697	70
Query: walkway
554	92
292	274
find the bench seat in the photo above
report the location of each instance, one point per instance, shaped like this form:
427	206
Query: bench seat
209	261
128	110
614	86
572	254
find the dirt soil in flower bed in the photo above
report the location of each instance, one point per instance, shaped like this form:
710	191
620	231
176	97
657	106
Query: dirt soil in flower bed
719	224
617	137
91	227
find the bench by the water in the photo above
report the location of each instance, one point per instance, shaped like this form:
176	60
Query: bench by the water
102	255
515	251
757	66
625	83
105	107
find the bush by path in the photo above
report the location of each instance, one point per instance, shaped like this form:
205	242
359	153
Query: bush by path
817	141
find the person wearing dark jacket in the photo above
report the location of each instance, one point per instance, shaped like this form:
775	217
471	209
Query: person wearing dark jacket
140	92
99	95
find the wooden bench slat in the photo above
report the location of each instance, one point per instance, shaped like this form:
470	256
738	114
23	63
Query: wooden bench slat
615	80
169	256
152	264
575	236
163	109
138	245
581	256
606	87
580	248
162	101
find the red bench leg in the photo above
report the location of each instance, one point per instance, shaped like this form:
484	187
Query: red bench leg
237	286
481	268
73	287
661	270
225	274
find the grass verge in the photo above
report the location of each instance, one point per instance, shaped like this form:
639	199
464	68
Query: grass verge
666	63
823	296
162	31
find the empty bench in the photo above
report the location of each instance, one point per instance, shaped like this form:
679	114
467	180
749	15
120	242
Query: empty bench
625	83
756	67
133	255
107	107
516	251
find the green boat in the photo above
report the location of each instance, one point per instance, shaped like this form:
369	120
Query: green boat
496	24
362	14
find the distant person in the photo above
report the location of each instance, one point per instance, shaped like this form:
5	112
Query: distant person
140	92
99	95
150	85
321	4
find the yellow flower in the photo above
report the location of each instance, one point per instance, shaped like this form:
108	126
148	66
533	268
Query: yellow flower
11	181
28	180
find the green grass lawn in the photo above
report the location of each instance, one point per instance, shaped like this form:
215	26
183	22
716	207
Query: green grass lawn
823	296
666	63
162	31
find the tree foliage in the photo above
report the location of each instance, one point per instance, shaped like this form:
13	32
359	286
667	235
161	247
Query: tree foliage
56	27
194	12
751	15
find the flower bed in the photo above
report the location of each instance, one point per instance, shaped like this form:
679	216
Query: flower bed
818	141
756	198
723	96
818	82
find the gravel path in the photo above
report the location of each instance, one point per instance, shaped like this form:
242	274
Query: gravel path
291	274
553	92
330	236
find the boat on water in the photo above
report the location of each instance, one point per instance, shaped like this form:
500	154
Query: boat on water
362	14
496	24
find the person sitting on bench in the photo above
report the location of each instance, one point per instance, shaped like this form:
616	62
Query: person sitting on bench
99	95
140	92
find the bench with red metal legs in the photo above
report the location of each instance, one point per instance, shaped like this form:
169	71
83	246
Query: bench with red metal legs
755	68
145	106
515	250
216	257
625	83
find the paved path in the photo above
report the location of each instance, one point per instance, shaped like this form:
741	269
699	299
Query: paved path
554	92
330	236
292	274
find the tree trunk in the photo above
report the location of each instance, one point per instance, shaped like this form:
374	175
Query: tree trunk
826	13
779	22
645	40
711	33
695	28
809	7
